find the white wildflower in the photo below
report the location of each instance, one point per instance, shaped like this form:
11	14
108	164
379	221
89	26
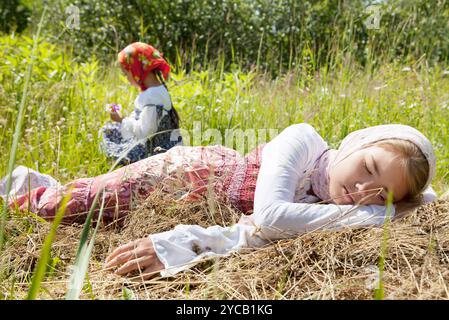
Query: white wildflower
406	69
324	90
380	87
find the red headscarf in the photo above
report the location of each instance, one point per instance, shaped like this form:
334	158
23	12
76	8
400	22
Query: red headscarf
140	59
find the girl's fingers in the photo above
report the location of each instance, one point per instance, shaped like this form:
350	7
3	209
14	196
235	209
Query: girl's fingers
124	248
141	252
131	254
120	259
135	264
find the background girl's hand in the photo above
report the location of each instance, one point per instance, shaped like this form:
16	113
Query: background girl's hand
115	116
138	255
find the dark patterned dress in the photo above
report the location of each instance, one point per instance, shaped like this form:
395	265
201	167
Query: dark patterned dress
114	145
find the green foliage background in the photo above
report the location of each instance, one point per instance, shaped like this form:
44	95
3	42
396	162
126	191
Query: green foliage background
270	34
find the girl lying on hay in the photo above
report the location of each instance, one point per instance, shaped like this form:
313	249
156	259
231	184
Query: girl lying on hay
291	185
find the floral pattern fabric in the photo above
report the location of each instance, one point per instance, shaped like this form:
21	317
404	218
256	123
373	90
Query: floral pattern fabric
114	145
140	59
186	173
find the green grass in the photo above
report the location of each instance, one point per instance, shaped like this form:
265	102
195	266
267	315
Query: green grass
18	127
66	105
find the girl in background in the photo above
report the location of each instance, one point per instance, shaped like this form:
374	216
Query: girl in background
153	125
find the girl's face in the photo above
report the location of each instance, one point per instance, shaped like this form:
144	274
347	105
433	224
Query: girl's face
130	77
367	175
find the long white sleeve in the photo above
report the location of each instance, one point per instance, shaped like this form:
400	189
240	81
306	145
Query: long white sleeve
147	122
285	160
140	128
24	179
185	245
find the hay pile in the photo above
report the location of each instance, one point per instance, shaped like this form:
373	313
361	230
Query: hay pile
338	265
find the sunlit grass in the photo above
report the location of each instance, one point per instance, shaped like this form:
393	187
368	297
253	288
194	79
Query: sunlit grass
65	109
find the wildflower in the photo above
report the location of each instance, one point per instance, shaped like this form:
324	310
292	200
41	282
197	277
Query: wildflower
60	122
113	107
439	146
324	90
406	69
380	87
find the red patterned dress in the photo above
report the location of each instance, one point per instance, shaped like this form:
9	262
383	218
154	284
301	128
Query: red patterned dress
187	173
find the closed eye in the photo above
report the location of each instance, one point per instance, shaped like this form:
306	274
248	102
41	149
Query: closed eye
366	167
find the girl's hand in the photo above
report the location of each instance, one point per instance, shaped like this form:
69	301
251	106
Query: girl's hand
138	255
115	116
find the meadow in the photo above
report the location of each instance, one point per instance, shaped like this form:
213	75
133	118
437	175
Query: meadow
65	107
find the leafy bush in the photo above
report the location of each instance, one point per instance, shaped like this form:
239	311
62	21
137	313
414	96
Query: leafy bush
13	16
271	34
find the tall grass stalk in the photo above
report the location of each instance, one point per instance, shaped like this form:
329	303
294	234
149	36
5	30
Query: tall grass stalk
379	292
85	247
18	129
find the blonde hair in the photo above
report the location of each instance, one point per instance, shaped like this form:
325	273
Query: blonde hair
414	163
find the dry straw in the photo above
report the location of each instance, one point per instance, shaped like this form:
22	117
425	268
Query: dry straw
331	265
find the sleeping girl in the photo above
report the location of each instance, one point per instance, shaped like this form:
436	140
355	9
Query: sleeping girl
292	185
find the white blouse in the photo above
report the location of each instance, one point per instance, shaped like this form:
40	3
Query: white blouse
147	121
282	182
